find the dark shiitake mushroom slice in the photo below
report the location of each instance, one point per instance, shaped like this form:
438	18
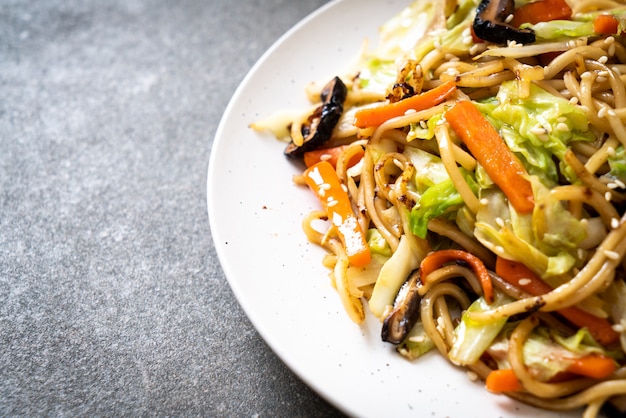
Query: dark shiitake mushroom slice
489	23
405	313
320	124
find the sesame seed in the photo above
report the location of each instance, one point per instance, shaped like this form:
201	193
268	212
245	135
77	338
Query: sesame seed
410	111
603	59
500	222
573	100
608	196
614	223
325	157
611	113
345	188
332	203
611	255
610	151
537	130
618	327
472	376
616	70
483	201
602	112
586	75
499	249
620	183
611	50
601	79
609	40
524	282
562	127
508	19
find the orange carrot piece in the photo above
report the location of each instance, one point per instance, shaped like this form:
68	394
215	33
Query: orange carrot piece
374	116
436	259
522	277
605	25
502	380
541	11
322	179
596	366
490	150
329	154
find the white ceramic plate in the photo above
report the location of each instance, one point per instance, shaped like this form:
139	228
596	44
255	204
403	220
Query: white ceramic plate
255	213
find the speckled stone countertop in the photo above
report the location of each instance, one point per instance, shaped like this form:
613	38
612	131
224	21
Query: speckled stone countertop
112	300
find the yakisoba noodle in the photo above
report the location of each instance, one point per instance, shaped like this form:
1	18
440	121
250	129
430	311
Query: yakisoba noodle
482	160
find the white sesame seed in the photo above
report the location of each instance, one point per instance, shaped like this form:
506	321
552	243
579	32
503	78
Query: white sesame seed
611	113
483	201
610	151
601	79
524	282
345	188
611	50
410	111
602	112
611	255
508	19
586	75
573	100
603	59
614	223
562	127
499	249
537	130
620	183
608	196
609	40
500	222
616	70
417	339
332	203
472	376
325	157
618	327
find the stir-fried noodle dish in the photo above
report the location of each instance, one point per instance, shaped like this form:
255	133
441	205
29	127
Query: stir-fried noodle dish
471	172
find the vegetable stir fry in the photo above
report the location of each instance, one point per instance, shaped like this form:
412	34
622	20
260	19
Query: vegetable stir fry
471	174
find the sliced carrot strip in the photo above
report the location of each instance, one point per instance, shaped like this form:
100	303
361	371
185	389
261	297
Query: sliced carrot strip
596	366
605	25
502	380
374	116
492	153
519	275
322	179
541	11
437	259
329	154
